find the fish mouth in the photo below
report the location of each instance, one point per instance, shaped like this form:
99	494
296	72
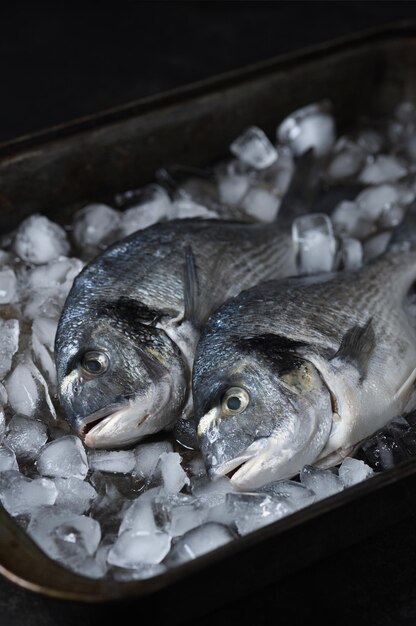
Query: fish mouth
126	423
88	423
103	428
236	467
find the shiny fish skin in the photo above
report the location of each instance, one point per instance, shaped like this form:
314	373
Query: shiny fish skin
128	304
323	362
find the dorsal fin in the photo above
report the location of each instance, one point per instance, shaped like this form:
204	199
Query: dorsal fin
191	293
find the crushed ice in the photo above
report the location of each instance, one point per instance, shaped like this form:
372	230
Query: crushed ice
132	514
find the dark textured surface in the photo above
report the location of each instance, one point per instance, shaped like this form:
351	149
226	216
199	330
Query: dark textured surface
56	65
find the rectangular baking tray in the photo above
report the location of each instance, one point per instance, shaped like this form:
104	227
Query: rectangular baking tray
57	171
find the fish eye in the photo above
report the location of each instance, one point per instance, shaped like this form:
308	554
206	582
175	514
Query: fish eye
234	401
94	363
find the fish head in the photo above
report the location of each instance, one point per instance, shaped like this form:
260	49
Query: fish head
262	411
118	379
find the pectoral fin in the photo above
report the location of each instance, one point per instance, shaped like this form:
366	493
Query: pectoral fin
357	346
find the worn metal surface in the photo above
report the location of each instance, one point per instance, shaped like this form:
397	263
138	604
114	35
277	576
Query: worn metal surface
56	171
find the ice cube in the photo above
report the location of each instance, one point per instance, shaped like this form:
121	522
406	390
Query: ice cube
322	482
141	572
232	187
8	286
22	390
146	206
117	461
384	168
353	471
255	510
139	517
74	494
184	207
45	330
20	495
9	344
7	459
372	201
389	446
58	274
38	240
261	204
196	466
132	549
3	395
108	506
254	148
95	225
314	239
44	359
296	495
346	217
27	388
211	492
376	245
44	302
199	541
26	437
64	457
391	216
179	513
351	253
2	423
147	456
63	534
278	177
212	495
103	550
86	566
346	163
310	127
171	472
381	452
153	196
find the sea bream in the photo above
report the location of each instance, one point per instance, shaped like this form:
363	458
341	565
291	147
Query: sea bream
127	334
298	371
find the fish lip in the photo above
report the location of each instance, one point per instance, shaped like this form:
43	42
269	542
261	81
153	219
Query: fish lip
88	423
233	467
96	435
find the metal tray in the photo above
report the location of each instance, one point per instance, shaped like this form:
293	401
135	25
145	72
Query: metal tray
56	171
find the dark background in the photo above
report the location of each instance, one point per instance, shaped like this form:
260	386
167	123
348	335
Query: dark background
59	62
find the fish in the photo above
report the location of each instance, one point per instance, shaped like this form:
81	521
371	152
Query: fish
298	371
129	327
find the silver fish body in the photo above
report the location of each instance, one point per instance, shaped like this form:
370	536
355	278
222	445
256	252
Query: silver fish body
298	371
125	341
